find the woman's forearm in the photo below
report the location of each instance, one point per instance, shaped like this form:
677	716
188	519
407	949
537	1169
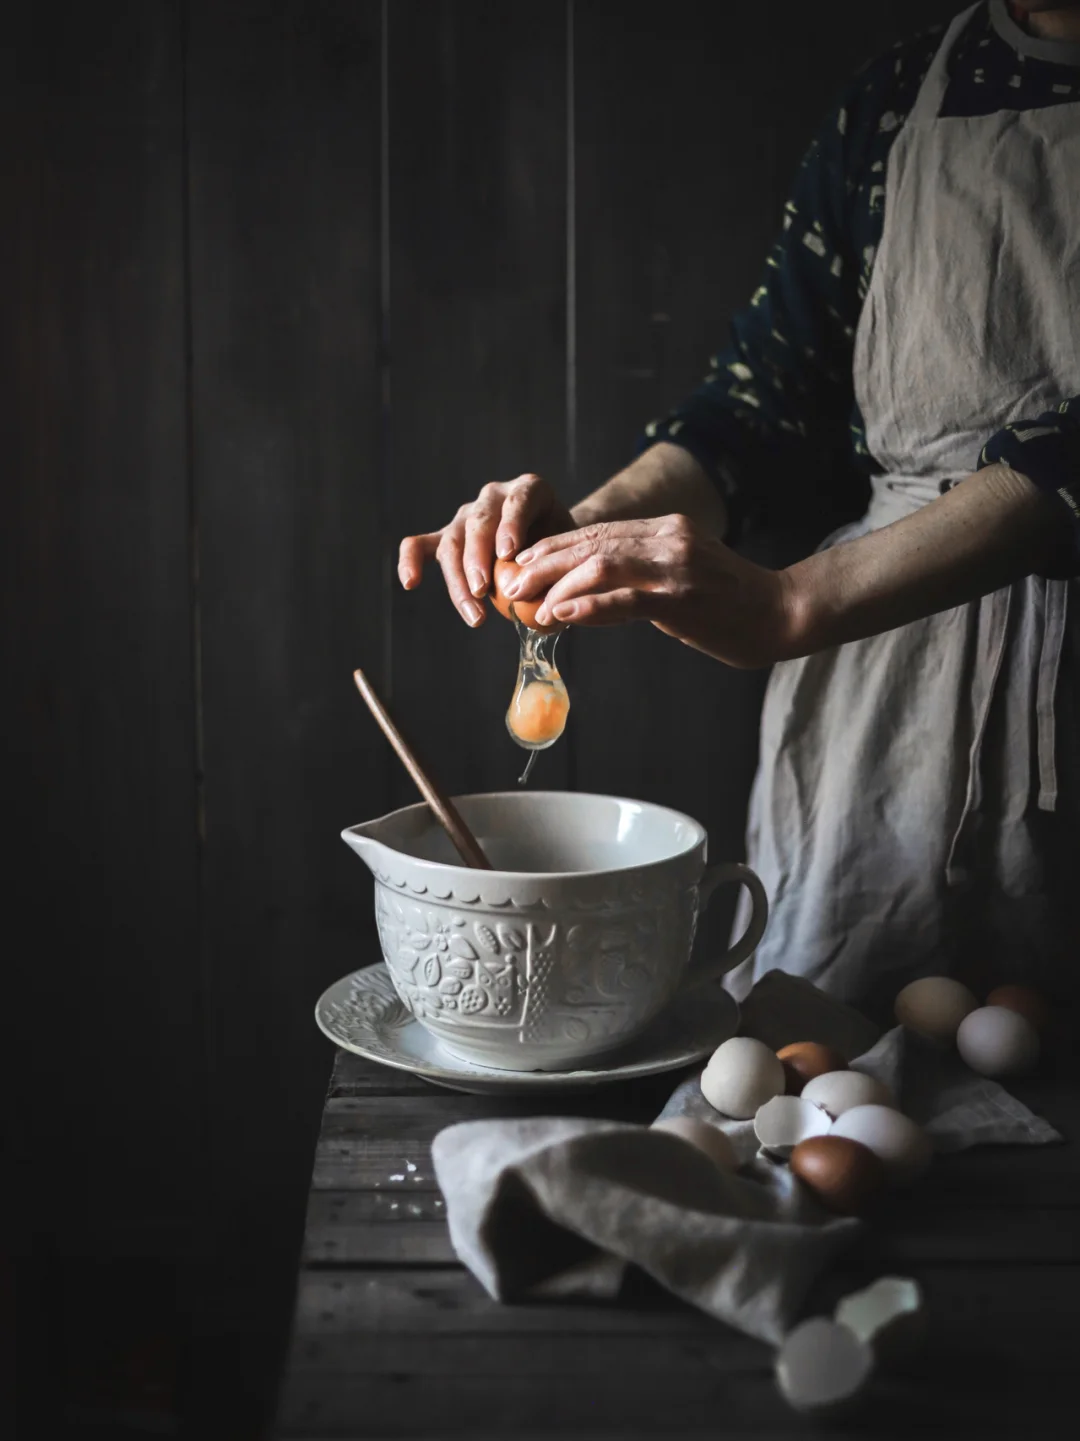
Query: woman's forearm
990	530
664	480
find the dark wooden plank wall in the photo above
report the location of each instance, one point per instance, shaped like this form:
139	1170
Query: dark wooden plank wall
477	288
232	378
99	713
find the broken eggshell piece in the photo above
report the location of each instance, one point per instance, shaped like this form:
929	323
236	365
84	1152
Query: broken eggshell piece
888	1316
780	1124
822	1367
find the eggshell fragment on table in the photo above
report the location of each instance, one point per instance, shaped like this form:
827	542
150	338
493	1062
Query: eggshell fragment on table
821	1366
742	1075
705	1138
934	1007
1025	1001
780	1124
803	1060
843	1174
903	1147
996	1041
839	1091
888	1316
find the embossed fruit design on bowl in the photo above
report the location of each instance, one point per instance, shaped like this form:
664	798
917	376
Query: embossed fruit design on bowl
570	947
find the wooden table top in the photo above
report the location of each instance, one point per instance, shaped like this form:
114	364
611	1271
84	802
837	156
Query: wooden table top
393	1338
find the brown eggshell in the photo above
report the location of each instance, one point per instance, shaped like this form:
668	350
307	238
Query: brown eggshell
522	610
844	1175
1024	1001
804	1060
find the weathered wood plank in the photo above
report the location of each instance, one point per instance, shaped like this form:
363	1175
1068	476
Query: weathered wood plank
284	184
366	1143
98	719
284	135
360	1227
987	1330
477	299
355	1076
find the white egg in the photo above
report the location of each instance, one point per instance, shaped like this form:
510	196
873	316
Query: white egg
742	1075
934	1007
838	1091
996	1041
897	1141
703	1137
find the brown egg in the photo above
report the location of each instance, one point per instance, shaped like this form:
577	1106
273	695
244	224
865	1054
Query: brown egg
522	610
843	1175
804	1060
1024	1001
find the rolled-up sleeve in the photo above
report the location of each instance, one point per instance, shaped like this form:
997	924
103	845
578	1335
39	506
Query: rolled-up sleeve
1047	450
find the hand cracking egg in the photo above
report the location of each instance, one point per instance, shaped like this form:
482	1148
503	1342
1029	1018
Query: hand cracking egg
520	610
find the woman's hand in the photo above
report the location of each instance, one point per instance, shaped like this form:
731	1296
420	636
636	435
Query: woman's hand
497	523
669	572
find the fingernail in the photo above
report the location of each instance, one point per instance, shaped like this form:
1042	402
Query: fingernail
504	546
406	578
472	612
543	616
565	609
511	589
525	557
477	583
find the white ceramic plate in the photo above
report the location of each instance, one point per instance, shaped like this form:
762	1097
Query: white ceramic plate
363	1013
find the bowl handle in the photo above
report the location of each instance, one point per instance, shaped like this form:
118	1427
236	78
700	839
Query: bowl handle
714	877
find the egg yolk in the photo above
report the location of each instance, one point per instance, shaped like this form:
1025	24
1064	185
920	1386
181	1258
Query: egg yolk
538	712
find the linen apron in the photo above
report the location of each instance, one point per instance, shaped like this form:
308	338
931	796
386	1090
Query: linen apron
915	809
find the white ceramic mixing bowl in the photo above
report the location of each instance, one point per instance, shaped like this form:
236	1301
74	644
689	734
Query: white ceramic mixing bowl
570	947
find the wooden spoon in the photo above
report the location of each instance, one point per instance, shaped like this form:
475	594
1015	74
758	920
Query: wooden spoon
446	813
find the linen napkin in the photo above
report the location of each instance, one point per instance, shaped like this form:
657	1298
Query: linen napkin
560	1206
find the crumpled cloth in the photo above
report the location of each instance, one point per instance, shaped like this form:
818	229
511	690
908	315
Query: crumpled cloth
558	1206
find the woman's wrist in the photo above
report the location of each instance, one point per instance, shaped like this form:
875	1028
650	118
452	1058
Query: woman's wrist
664	480
989	530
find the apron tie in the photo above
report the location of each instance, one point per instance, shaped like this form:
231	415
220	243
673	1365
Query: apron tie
1053	642
1050	651
999	604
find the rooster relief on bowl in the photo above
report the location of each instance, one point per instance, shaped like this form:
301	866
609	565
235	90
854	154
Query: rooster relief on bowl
481	981
369	1017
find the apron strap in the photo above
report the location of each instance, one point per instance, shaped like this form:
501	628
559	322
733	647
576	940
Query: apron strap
1056	613
927	105
994	610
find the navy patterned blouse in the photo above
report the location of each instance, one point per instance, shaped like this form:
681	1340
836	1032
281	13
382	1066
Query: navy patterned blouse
778	402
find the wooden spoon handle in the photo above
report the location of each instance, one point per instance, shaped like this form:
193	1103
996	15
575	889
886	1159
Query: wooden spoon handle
446	812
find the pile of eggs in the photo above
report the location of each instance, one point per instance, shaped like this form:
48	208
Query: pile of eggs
998	1038
842	1134
839	1130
